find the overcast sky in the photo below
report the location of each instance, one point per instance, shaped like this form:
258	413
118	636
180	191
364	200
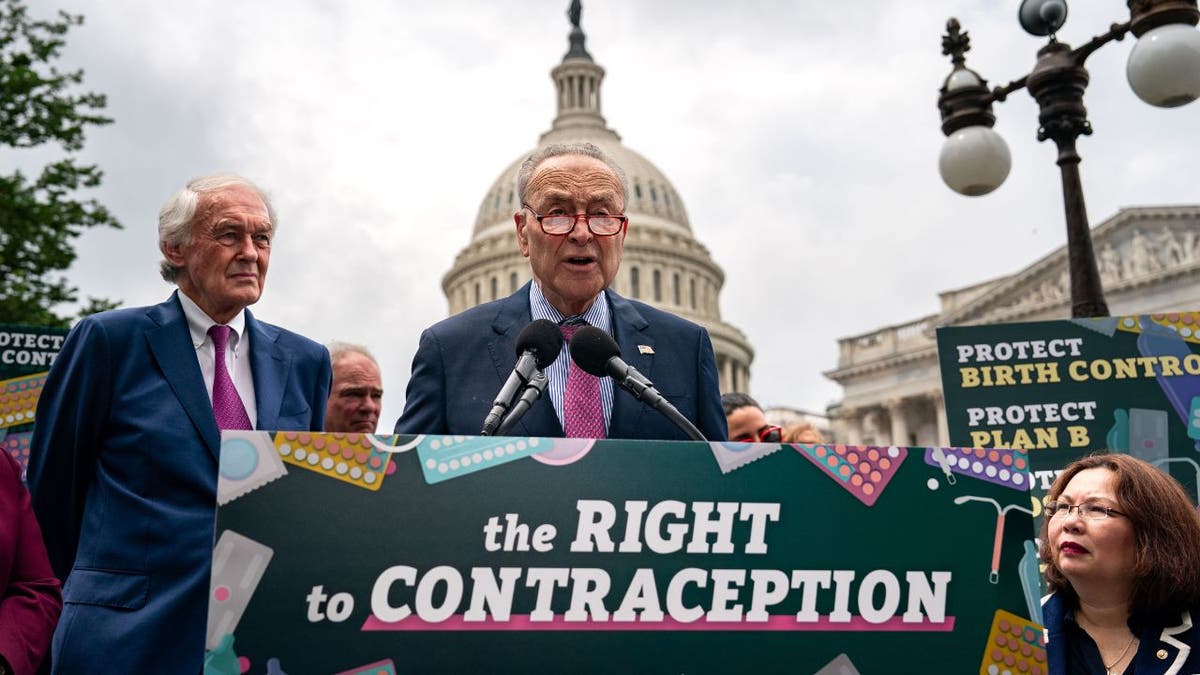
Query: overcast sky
802	136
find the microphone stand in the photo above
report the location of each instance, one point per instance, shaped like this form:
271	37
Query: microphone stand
533	391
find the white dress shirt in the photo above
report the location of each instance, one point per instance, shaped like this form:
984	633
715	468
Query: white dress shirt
237	354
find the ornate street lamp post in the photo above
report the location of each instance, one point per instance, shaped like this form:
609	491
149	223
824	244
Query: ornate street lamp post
1163	70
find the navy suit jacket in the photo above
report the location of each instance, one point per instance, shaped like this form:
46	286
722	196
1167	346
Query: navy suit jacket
123	473
463	361
1168	645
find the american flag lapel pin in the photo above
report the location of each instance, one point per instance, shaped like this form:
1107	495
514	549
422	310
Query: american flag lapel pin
645	349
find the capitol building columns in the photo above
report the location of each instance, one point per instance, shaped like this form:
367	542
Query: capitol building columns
896	411
943	431
916	420
849	428
733	375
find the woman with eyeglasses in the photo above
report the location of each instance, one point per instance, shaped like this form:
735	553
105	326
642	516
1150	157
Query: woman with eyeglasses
1121	545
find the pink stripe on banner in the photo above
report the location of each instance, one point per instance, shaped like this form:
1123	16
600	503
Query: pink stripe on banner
776	622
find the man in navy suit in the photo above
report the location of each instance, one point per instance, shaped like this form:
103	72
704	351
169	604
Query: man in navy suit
123	463
572	228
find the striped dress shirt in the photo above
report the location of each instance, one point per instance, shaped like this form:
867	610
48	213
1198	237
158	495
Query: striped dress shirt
597	315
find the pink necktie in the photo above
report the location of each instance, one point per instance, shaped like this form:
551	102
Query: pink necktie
583	413
227	405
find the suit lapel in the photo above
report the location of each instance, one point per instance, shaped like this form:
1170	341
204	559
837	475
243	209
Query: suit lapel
171	346
629	330
269	366
509	322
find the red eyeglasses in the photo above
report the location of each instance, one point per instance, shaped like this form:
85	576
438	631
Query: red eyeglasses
601	225
767	434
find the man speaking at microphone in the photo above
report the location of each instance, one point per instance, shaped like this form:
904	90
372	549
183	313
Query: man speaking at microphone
571	227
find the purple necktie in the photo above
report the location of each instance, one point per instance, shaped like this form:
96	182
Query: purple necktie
227	405
583	412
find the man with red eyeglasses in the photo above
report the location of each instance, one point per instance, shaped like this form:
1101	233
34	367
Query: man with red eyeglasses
746	420
571	227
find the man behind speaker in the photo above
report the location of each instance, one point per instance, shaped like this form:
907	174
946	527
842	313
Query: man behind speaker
357	394
123	463
571	227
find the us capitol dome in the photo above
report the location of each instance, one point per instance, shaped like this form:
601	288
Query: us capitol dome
663	264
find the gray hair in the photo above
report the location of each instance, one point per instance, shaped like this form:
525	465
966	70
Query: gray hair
339	350
557	149
176	215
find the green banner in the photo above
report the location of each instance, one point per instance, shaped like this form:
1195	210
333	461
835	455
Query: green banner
1063	389
344	553
26	354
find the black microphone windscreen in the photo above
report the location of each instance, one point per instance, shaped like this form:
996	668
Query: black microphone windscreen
544	339
591	348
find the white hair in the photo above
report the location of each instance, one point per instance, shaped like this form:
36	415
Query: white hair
176	215
339	350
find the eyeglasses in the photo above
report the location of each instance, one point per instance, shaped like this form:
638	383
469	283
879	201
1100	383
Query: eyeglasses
768	434
600	225
1087	511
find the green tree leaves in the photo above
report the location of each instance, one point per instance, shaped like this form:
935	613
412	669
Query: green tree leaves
41	218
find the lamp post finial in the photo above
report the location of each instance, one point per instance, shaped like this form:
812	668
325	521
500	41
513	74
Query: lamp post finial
956	43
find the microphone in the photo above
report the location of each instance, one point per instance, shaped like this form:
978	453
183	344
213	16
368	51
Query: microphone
533	390
537	346
597	353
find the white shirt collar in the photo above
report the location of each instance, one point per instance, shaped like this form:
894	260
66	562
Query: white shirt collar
199	322
540	308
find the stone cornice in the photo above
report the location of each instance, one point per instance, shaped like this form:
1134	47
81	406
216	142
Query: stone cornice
842	375
1017	297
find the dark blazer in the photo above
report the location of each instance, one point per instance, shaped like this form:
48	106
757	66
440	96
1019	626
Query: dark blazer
463	361
1169	645
30	600
123	471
